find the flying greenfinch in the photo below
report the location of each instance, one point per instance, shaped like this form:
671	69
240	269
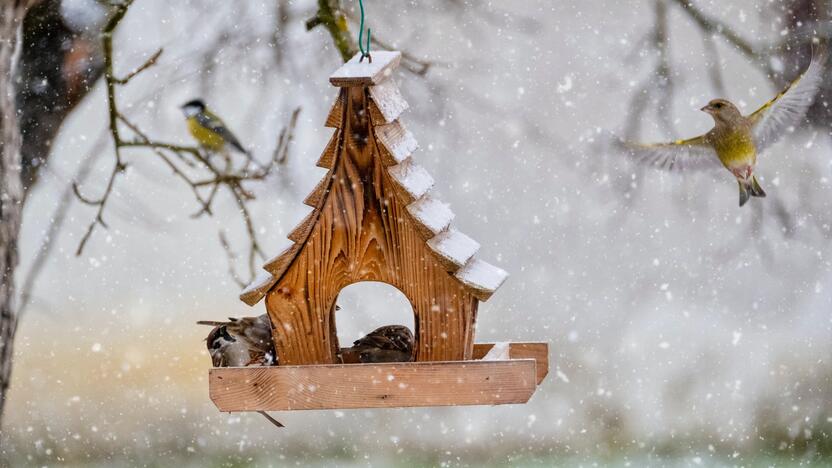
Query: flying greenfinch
735	140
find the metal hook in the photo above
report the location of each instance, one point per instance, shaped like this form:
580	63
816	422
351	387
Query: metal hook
364	53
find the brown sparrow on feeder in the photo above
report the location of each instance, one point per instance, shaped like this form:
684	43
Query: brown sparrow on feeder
391	343
241	342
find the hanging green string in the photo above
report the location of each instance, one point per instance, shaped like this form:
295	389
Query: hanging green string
364	53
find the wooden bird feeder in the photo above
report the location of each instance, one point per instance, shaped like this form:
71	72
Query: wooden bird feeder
373	219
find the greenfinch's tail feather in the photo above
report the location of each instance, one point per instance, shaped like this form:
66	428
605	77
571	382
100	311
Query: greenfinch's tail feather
756	190
744	195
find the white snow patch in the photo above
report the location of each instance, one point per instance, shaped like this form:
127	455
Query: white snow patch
355	68
432	213
499	352
398	141
413	178
388	99
482	275
454	245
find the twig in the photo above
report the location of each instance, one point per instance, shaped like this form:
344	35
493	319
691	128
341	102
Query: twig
57	221
196	168
410	62
110	83
330	16
714	26
714	69
232	259
281	149
147	64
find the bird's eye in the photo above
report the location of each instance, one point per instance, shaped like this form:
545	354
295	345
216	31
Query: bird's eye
216	344
718	105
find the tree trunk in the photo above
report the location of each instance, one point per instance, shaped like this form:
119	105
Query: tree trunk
11	188
56	69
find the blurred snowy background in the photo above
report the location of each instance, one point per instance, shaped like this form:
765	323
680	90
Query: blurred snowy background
679	325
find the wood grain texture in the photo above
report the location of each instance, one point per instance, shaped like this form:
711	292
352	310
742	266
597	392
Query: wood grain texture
521	350
349	386
363	232
360	73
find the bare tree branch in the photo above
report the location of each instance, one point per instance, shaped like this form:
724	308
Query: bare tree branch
331	16
197	169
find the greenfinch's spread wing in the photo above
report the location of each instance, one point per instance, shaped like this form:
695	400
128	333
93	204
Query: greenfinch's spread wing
693	154
782	113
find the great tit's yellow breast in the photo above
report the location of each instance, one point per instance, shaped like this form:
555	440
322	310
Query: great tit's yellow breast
205	136
735	148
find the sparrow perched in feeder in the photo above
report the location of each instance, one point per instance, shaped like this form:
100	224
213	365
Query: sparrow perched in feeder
208	129
391	343
241	342
735	139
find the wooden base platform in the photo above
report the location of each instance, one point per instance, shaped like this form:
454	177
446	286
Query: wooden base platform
506	380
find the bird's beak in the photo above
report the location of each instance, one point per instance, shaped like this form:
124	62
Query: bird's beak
706	109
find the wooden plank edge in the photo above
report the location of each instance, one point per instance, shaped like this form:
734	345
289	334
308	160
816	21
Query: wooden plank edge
327	159
247	388
318	193
335	117
278	265
299	234
253	293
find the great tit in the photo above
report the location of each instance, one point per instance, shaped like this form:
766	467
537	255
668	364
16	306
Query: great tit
208	129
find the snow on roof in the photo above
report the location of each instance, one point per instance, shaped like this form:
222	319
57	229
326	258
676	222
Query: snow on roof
454	246
397	140
482	276
499	352
412	178
366	73
389	103
431	213
411	182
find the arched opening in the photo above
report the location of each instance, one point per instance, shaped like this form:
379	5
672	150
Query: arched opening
367	306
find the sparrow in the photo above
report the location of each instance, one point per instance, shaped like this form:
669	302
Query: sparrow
241	342
209	130
735	140
391	343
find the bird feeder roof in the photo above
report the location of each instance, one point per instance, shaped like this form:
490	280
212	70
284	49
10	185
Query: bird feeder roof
412	185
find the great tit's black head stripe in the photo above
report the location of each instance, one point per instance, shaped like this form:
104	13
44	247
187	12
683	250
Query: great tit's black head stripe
195	103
